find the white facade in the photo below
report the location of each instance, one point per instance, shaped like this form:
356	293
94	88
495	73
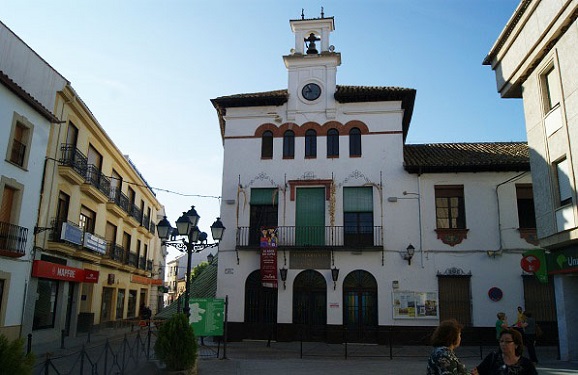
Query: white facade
403	209
25	121
535	59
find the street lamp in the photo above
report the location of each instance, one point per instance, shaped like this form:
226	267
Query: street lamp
196	241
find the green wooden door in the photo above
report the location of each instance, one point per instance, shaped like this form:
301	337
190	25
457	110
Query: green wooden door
310	217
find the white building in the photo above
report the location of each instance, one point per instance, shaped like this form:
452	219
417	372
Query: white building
28	87
372	235
535	59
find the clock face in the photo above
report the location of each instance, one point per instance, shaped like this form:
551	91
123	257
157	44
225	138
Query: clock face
311	91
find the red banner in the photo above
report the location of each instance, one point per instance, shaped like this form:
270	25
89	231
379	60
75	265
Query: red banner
49	270
269	257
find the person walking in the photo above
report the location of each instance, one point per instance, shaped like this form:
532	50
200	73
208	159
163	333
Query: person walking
507	359
445	339
501	324
530	336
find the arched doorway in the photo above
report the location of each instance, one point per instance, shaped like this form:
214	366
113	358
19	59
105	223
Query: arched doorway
260	308
310	306
360	306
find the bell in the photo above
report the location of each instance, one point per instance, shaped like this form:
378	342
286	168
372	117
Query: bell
311	50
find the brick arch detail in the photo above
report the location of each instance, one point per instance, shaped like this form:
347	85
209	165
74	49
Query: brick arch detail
321	130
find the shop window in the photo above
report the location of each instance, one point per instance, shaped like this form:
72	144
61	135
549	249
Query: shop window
46	302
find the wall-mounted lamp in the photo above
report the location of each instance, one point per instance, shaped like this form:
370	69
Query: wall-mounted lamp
334	276
409	251
210	258
283	273
493	253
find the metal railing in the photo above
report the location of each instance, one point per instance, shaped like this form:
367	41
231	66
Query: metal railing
95	178
13	239
72	157
316	236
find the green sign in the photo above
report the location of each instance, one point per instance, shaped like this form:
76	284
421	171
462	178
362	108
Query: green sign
207	316
563	261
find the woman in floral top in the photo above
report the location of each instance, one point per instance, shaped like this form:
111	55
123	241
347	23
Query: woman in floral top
443	361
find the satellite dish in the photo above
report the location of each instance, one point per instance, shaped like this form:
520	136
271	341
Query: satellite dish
331	48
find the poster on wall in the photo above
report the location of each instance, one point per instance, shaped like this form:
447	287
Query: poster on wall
415	305
268	245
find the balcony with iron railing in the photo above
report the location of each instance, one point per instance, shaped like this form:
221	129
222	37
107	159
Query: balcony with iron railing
12	240
316	237
142	263
115	252
71	159
130	258
96	184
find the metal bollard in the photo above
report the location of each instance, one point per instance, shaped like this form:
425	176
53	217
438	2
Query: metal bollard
29	346
62	333
89	332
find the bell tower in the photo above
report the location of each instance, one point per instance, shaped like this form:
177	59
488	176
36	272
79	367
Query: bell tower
312	66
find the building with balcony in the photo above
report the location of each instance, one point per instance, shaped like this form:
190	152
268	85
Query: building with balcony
345	232
28	87
535	59
98	256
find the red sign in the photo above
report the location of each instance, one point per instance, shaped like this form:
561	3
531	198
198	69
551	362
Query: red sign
530	263
269	257
91	276
49	270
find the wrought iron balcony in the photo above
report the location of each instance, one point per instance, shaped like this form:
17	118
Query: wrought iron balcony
136	213
142	263
130	259
95	178
12	240
72	157
340	237
115	252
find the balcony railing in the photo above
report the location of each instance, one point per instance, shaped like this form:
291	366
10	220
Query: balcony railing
115	252
95	178
136	213
131	259
316	236
146	221
72	157
149	265
12	240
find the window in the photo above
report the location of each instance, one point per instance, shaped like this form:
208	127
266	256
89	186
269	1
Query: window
264	212
332	143
72	135
20	140
289	145
551	88
358	216
450	210
525	200
8	204
310	144
563	180
355	142
87	219
267	145
115	186
61	214
110	237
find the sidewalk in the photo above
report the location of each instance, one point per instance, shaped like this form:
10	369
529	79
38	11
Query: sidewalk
256	358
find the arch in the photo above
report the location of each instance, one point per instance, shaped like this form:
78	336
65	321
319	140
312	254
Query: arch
260	307
360	314
310	305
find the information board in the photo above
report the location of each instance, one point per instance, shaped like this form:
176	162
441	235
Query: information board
207	316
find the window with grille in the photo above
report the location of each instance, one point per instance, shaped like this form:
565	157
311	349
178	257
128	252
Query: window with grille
87	219
450	207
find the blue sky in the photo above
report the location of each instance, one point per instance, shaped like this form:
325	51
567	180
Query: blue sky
148	69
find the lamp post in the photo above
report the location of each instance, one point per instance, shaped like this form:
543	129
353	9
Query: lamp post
195	242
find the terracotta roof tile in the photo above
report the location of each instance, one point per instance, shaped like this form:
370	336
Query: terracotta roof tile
466	157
